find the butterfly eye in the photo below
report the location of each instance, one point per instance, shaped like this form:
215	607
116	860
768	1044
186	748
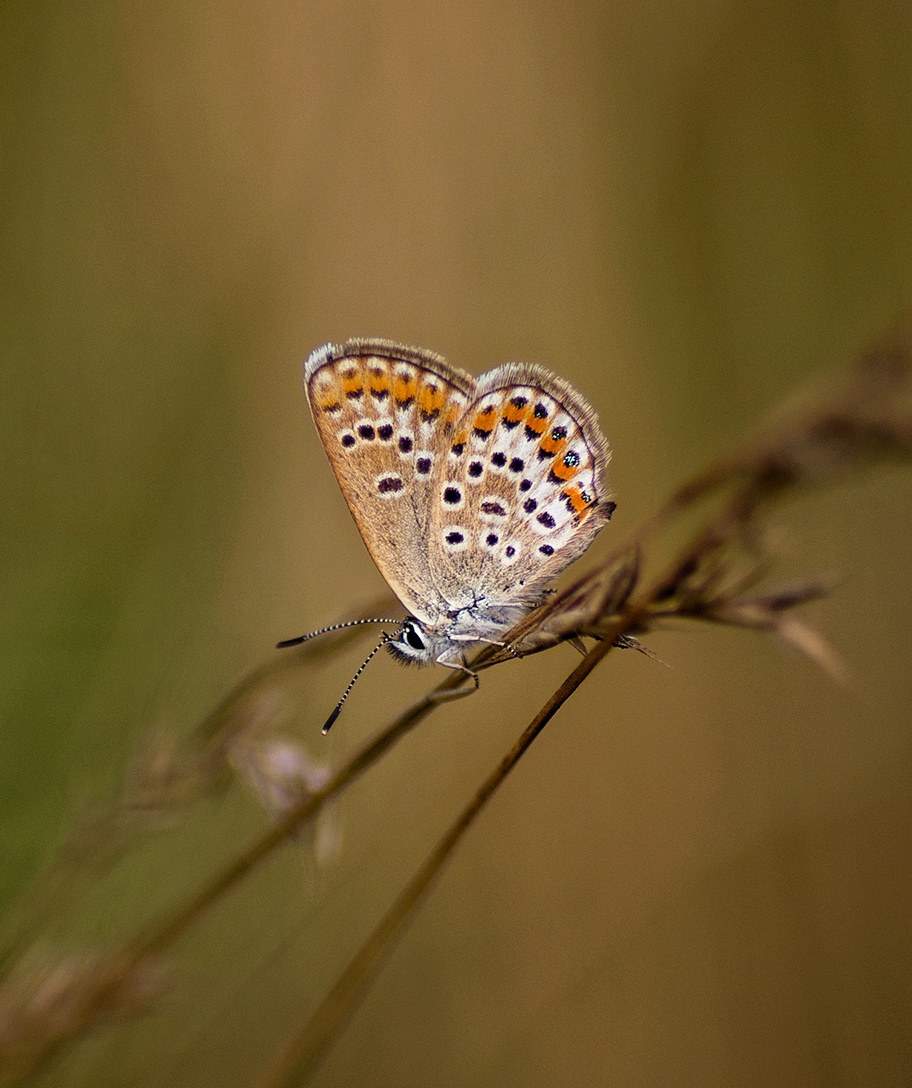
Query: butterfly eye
412	637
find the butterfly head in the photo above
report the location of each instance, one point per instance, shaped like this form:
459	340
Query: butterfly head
414	644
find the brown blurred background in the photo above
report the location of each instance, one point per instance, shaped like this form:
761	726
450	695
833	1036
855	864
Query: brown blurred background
701	874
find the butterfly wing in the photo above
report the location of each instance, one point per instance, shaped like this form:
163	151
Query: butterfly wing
384	413
520	494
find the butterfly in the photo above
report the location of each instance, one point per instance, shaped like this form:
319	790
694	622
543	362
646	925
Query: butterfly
471	495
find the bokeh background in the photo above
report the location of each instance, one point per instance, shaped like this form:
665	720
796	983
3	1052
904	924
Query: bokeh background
701	874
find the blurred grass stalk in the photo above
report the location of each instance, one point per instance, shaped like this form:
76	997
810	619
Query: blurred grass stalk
720	576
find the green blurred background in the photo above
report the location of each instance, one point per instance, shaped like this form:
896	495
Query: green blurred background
701	874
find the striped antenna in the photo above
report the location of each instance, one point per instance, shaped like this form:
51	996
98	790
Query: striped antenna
367	660
285	643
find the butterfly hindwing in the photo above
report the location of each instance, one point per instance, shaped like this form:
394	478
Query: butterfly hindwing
519	493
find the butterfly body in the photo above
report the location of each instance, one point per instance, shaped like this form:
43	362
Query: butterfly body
471	495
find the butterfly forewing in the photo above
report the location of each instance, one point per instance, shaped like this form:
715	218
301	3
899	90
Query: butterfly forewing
384	414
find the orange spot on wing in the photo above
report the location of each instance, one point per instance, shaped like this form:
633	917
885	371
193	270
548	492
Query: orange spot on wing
430	399
536	425
404	388
352	384
329	402
484	420
578	501
452	416
379	381
563	471
512	413
552	445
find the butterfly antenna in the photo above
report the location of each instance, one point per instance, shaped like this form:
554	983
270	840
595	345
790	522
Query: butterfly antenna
335	714
285	643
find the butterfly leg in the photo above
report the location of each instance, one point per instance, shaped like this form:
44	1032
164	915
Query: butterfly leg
487	642
503	646
460	666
